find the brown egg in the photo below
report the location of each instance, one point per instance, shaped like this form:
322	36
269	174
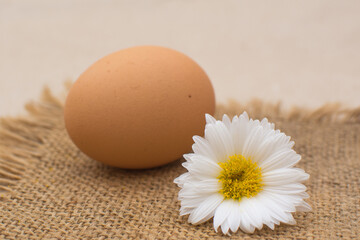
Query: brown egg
139	107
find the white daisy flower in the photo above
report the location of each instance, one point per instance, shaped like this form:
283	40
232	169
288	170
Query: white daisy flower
242	174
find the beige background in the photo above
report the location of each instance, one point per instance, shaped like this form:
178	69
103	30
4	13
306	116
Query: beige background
301	52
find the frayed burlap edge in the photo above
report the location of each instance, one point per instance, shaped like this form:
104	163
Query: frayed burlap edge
20	144
328	113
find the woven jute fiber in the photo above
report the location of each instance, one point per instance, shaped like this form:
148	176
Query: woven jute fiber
50	190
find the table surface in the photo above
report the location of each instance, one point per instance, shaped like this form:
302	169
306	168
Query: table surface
305	52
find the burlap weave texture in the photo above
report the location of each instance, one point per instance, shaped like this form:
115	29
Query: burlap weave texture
51	190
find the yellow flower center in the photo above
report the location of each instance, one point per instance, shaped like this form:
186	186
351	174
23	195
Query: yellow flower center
240	177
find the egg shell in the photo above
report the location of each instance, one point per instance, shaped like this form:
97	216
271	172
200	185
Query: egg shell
139	107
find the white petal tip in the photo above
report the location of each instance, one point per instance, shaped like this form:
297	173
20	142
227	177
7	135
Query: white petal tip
225	117
271	225
303	208
216	228
248	231
184	211
244	115
291	222
209	119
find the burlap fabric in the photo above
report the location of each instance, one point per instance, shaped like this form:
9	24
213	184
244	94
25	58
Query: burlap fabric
50	190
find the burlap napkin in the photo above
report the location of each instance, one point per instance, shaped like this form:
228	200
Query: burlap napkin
50	190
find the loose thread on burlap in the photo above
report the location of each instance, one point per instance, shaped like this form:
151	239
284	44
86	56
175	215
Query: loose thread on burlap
20	143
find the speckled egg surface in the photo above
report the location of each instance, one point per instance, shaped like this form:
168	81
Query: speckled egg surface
139	107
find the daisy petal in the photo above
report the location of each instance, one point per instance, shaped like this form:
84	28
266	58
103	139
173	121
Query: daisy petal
281	159
253	140
204	186
272	143
245	226
283	201
255	214
284	175
192	202
234	218
266	125
240	129
202	147
210	119
275	209
182	179
286	189
226	120
185	211
296	187
263	213
202	166
220	140
225	227
248	221
221	213
303	207
206	209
